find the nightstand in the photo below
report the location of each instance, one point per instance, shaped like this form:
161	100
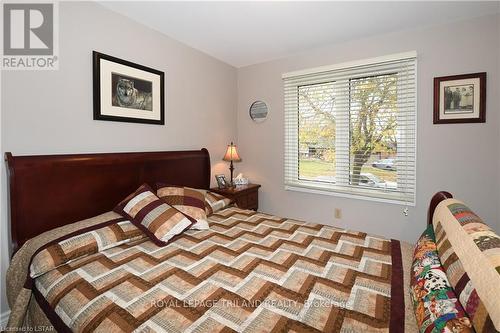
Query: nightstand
245	196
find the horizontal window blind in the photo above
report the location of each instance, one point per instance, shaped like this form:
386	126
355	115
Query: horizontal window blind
351	130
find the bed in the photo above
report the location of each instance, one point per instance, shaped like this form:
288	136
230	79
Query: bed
250	272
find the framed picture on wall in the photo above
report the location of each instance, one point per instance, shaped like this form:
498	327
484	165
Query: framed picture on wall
129	92
460	99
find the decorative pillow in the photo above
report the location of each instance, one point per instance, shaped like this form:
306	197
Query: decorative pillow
436	306
160	221
470	253
215	202
188	200
106	235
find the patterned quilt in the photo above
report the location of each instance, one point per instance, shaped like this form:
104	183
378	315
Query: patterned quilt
250	272
470	252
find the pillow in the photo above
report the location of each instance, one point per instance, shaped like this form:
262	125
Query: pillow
470	253
189	201
215	202
77	245
160	221
436	306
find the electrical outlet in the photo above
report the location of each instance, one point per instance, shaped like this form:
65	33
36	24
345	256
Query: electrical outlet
338	213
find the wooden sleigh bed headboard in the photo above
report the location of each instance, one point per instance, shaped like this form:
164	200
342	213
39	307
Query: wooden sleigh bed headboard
49	191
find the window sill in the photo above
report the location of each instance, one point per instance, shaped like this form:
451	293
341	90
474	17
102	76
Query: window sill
396	199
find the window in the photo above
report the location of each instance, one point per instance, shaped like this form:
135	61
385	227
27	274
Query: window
350	129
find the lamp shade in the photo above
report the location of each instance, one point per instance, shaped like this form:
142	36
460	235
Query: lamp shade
231	154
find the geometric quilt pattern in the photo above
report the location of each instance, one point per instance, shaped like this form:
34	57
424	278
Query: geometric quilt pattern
250	272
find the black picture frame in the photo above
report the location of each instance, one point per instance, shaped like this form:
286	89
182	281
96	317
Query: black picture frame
98	115
481	111
221	181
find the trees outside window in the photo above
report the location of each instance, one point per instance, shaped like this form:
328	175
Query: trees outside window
353	130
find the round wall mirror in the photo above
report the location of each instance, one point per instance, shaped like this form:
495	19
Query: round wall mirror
258	111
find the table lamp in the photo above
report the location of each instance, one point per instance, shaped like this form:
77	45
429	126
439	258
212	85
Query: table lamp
231	156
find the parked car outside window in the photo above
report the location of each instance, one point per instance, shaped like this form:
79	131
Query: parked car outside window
385	164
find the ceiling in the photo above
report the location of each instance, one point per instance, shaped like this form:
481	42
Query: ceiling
245	33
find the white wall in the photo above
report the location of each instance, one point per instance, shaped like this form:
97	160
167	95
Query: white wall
461	158
51	112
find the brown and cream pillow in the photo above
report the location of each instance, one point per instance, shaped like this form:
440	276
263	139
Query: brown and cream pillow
160	221
188	200
215	202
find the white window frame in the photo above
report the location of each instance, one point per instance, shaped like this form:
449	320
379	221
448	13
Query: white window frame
342	176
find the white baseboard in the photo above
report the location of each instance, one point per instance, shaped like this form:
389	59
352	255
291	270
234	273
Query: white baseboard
4	318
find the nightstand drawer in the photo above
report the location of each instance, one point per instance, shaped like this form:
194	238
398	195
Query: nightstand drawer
252	199
242	201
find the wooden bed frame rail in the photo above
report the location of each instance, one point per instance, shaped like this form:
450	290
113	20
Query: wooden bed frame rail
436	199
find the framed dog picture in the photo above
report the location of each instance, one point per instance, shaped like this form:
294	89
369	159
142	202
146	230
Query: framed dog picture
125	91
460	99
